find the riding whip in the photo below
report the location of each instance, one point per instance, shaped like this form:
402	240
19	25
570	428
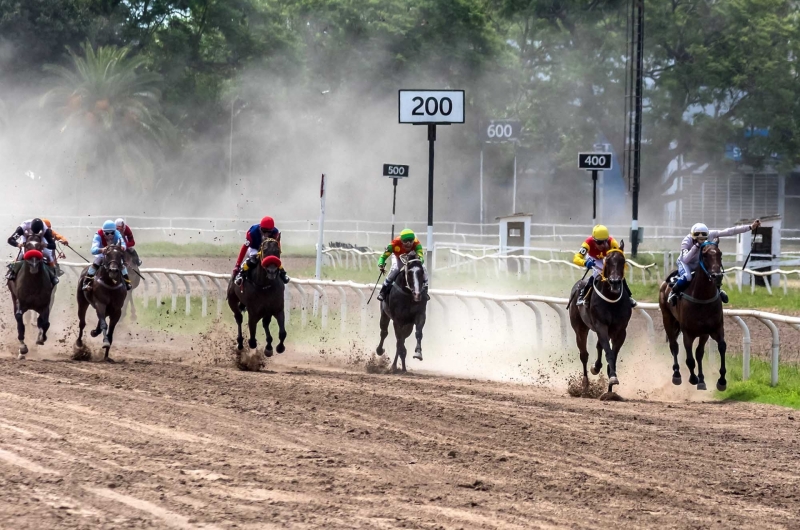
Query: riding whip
76	252
376	286
752	244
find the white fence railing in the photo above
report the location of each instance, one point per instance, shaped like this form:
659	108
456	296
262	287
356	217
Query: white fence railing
443	298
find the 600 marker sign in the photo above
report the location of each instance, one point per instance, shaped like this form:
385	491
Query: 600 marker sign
431	106
395	171
596	161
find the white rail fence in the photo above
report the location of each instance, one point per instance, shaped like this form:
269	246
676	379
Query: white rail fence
443	299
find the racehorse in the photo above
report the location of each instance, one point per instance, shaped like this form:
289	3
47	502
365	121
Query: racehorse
32	291
107	296
405	307
607	312
697	314
261	295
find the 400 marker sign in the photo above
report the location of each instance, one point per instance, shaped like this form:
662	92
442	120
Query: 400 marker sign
594	161
431	106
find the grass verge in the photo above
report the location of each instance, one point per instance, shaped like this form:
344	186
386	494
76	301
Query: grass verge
757	389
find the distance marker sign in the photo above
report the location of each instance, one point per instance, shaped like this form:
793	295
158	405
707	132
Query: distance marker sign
431	106
395	171
595	161
500	131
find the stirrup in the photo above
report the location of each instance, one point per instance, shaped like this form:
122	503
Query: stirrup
672	299
239	279
581	301
723	296
634	303
87	283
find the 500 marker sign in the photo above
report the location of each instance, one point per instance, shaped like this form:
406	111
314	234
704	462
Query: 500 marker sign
395	171
431	106
595	161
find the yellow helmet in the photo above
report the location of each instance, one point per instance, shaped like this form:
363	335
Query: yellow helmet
600	233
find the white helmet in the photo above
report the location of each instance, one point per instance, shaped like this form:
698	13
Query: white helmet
699	231
120	222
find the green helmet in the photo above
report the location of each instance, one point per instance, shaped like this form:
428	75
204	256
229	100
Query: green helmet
407	235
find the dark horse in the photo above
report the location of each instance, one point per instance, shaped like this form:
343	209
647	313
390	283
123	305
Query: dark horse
107	296
261	295
32	291
607	312
698	314
405	307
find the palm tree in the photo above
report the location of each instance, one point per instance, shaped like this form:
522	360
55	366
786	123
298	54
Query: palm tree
109	113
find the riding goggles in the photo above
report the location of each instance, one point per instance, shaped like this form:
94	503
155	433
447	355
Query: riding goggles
109	234
601	241
700	235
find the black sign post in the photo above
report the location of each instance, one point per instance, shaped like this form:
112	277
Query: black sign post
396	171
594	162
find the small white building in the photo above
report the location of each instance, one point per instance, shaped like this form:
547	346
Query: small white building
515	236
766	250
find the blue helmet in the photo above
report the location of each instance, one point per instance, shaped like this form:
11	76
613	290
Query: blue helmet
109	226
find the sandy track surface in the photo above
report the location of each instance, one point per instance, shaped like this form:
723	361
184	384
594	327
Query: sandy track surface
146	444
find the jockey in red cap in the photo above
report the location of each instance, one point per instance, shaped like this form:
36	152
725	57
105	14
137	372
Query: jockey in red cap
255	235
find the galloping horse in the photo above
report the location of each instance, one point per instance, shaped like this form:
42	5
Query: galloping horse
604	314
405	307
698	314
107	296
261	295
32	291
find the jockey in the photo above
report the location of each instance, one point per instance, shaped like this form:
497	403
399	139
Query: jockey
127	235
28	228
591	255
105	237
689	258
252	245
402	244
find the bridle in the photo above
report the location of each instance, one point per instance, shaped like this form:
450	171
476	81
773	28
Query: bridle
407	269
702	264
603	278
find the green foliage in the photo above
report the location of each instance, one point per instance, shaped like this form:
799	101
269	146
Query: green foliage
757	389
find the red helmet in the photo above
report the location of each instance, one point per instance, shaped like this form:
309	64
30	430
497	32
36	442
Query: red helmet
267	223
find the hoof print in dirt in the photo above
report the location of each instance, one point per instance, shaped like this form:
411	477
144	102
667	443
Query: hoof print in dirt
377	365
81	353
594	389
611	396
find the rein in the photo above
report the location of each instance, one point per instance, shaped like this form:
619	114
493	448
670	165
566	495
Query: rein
604	279
703	265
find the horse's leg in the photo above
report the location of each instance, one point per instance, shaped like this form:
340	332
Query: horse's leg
100	310
83	305
701	379
719	336
400	346
616	346
672	329
252	325
43	323
384	332
598	364
419	324
687	345
23	349
611	358
280	318
581	334
113	318
266	322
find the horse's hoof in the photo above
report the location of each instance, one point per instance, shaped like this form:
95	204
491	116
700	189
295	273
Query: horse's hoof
722	387
418	356
613	381
109	360
594	370
239	345
379	351
693	379
701	386
40	342
268	353
94	333
676	380
23	349
280	348
21	357
611	396
252	343
106	344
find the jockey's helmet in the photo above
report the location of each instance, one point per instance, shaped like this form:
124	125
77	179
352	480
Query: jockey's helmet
37	226
267	223
407	235
699	231
600	233
120	223
109	228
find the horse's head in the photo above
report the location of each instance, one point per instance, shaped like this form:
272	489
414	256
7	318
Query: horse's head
33	258
711	261
614	268
413	274
114	261
270	247
271	266
34	242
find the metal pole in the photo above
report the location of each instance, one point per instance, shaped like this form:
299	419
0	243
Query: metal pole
230	160
594	197
431	141
321	229
481	184
637	127
394	203
514	198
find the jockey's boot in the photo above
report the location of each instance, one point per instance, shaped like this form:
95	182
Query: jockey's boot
127	279
11	275
723	296
385	288
634	303
677	289
582	294
53	274
283	275
87	281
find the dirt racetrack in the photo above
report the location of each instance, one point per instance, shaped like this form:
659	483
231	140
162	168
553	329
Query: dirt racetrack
152	444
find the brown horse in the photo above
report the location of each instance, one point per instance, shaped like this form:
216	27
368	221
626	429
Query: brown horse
607	312
107	296
261	295
32	290
698	314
